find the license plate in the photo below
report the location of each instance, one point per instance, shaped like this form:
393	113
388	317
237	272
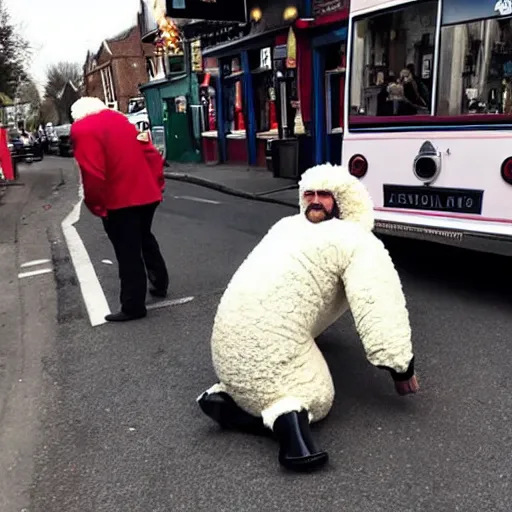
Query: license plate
452	200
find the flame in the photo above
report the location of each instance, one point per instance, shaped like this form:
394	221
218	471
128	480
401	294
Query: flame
169	37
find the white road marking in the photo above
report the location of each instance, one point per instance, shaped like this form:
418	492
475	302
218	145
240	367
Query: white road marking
92	293
34	263
35	273
197	199
169	303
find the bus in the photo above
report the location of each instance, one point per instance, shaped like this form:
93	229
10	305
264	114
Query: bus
428	123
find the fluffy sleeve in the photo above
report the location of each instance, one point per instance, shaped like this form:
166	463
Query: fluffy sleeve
374	293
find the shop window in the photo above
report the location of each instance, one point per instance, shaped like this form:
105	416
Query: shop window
176	64
208	95
260	63
392	60
264	101
475	68
233	106
231	72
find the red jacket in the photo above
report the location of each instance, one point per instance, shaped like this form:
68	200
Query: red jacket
118	170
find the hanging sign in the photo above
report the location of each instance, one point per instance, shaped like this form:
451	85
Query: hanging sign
324	7
291	50
266	58
209	10
196	56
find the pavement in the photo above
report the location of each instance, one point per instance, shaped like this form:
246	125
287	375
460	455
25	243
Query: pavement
29	213
117	427
237	180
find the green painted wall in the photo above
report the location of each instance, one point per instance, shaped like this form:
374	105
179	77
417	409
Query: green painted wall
181	145
175	87
154	105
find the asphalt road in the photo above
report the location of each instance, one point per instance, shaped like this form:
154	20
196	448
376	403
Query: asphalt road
120	429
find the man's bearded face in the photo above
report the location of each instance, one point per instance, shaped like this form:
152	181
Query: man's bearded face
321	205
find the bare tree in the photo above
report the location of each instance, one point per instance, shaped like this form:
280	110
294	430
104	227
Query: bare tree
49	113
14	53
28	94
59	77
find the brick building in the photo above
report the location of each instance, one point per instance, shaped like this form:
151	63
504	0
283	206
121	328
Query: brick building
116	70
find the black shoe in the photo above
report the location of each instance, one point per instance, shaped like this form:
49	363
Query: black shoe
225	411
123	317
297	451
155	292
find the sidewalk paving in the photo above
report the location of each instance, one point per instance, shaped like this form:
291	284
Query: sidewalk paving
249	180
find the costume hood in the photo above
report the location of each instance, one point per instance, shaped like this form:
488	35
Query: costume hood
86	106
351	196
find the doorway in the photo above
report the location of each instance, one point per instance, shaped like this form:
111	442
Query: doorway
180	142
329	62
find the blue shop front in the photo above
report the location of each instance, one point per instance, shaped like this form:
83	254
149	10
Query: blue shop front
321	39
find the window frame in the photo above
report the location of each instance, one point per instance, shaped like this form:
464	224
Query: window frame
383	122
432	121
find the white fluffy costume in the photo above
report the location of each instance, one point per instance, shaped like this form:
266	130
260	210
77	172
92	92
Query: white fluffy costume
296	282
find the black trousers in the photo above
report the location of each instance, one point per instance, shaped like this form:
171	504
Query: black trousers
137	251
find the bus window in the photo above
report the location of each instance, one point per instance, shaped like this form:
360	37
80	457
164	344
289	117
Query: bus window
392	61
475	68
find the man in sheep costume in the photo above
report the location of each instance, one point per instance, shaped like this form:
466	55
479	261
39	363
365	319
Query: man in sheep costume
305	273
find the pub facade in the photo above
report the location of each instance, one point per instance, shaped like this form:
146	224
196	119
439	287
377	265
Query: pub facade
275	72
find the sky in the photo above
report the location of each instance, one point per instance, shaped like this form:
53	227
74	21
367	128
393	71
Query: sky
64	30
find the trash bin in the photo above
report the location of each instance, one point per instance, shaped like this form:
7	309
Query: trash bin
268	155
285	158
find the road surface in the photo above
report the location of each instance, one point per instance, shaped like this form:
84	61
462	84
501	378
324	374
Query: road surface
116	426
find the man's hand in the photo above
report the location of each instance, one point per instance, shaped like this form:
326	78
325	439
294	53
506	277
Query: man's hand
407	387
405	383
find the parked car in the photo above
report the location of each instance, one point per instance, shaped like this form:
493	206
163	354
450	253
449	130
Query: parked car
63	133
25	147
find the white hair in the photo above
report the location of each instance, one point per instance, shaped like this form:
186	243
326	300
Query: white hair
351	196
86	106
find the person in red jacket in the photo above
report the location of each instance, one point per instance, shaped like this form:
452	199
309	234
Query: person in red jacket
123	181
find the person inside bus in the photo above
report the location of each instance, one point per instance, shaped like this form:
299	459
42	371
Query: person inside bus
421	88
403	96
413	99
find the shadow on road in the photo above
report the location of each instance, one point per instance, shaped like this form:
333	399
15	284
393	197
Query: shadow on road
453	268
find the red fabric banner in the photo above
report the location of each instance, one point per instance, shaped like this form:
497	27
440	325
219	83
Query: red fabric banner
5	156
305	75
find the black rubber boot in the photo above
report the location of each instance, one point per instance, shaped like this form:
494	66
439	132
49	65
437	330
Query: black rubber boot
298	451
225	411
